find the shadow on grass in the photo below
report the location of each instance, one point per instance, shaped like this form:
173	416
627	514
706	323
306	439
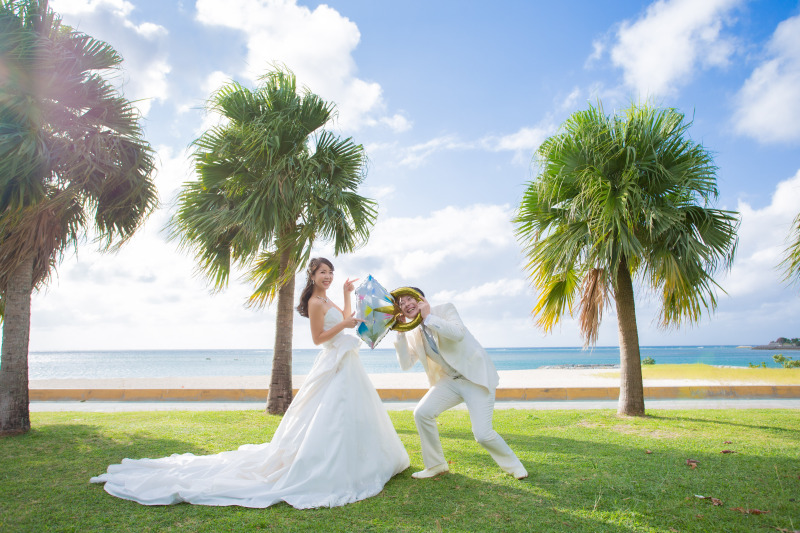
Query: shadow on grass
607	475
789	431
46	472
459	501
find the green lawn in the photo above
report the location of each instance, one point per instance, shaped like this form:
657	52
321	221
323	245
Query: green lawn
589	471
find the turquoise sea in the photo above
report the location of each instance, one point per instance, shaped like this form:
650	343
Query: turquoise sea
186	363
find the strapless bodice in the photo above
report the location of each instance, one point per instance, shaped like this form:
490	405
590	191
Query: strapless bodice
332	317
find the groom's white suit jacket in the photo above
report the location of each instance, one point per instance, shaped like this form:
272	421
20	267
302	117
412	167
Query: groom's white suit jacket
456	345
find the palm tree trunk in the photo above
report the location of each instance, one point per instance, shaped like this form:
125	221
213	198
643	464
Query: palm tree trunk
14	409
280	387
631	389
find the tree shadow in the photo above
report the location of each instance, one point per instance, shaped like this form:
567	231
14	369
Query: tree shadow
457	501
607	479
659	416
47	472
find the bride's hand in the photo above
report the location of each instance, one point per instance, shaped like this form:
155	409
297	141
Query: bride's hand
352	321
349	285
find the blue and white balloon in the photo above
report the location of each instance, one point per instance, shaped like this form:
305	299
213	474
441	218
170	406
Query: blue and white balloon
375	306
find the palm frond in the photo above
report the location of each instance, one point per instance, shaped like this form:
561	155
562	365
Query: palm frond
556	297
791	261
594	299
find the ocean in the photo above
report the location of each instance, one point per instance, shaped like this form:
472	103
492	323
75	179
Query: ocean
195	363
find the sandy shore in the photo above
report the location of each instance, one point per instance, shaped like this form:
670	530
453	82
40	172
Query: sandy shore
509	379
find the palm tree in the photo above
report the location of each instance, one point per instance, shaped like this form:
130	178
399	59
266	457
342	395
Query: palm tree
270	183
71	157
791	261
622	198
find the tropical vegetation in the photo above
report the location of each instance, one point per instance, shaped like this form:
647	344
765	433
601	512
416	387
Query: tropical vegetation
271	183
72	163
786	341
618	198
786	362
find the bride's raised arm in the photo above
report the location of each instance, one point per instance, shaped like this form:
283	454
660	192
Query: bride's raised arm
349	287
316	315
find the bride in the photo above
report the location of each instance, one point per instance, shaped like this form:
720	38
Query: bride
335	444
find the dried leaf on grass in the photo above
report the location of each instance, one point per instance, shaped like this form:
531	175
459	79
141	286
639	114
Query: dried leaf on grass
714	501
648	452
727	451
728	442
691	463
748	511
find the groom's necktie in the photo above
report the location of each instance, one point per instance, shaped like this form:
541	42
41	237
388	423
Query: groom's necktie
429	338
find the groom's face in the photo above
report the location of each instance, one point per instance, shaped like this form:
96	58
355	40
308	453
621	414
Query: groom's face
408	305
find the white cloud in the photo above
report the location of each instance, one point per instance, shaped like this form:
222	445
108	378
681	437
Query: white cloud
120	8
215	81
415	155
174	168
571	99
673	39
146	296
415	247
142	46
762	240
379	193
317	45
523	143
481	294
768	105
211	119
397	123
611	96
526	139
598	48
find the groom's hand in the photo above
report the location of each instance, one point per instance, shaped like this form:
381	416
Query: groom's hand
424	308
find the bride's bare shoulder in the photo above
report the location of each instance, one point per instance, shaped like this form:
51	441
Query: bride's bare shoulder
316	307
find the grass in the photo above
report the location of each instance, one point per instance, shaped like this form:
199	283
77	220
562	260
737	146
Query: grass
589	471
700	371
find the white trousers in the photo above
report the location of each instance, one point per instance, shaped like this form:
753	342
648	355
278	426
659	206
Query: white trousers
447	393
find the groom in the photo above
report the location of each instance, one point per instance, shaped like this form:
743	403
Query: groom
459	370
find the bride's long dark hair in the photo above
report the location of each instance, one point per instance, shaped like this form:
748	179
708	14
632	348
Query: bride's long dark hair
305	296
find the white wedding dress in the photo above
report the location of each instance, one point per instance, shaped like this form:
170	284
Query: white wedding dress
335	445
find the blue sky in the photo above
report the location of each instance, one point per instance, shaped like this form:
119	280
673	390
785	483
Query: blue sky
450	100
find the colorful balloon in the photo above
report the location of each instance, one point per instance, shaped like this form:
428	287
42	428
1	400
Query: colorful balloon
377	308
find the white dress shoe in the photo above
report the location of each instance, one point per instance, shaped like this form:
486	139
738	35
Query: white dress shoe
519	473
432	471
